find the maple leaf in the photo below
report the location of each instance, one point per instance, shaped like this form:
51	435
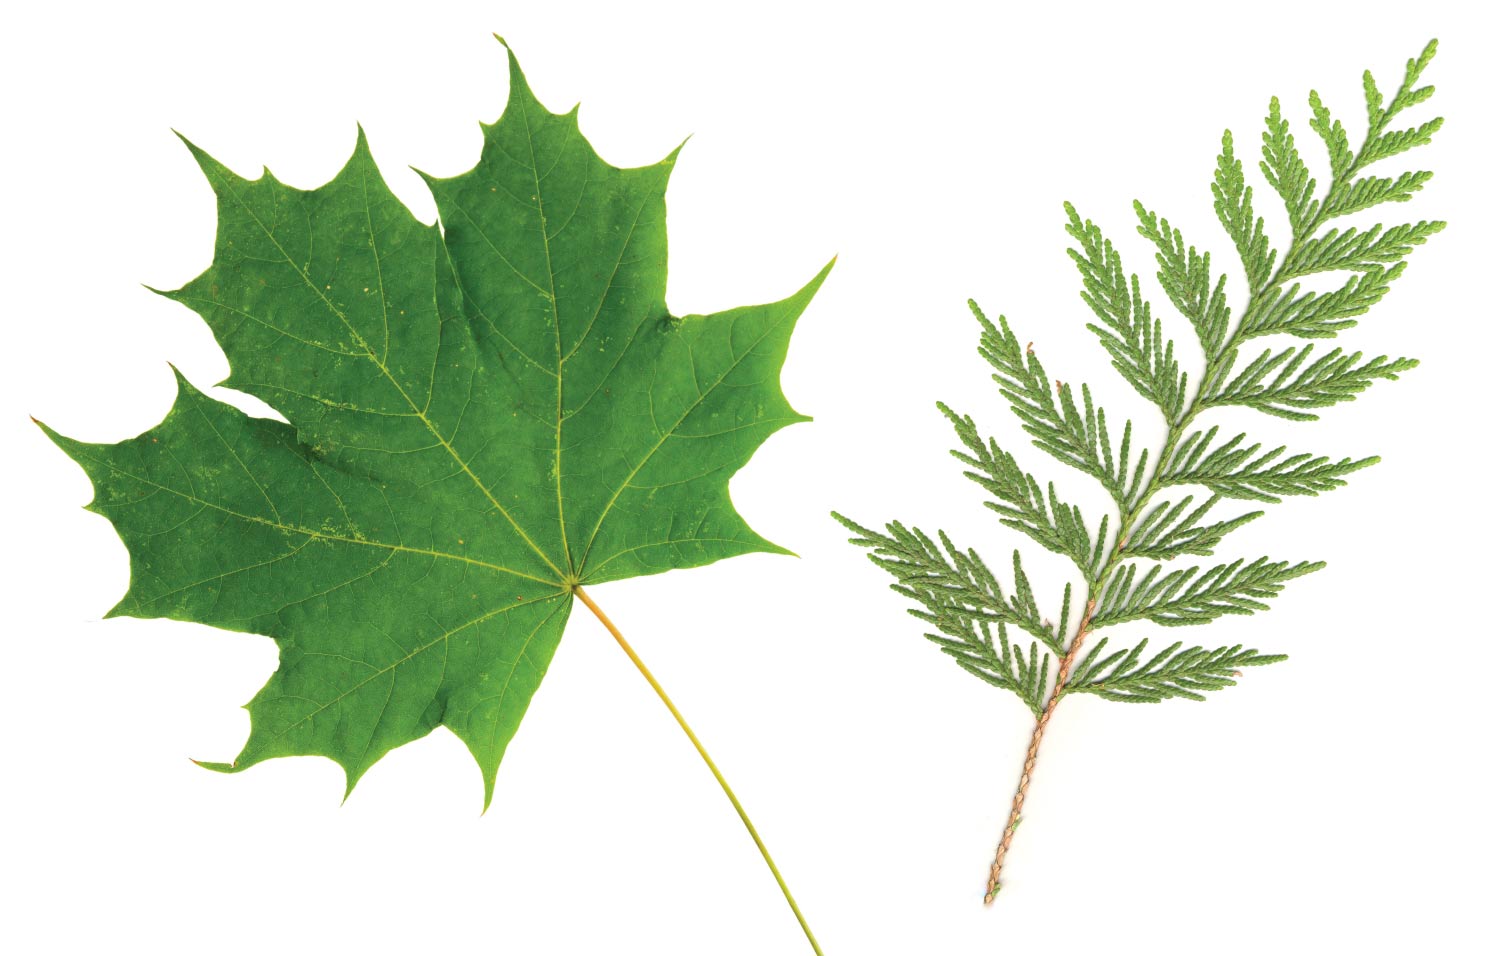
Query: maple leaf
483	418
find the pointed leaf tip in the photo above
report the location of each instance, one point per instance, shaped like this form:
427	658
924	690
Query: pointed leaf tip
213	170
510	56
61	441
817	280
671	158
182	382
215	766
198	152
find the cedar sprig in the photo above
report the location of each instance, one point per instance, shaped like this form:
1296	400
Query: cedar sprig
1172	672
1125	559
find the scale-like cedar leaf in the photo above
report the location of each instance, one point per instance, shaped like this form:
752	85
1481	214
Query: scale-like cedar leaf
1172	672
1020	501
1163	532
1234	470
951	580
1355	250
1141	352
1076	437
483	417
1232	203
1186	277
1186	597
1310	315
1299	385
1286	172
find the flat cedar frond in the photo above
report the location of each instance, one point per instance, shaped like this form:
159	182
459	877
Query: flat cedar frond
947	580
1287	173
993	659
1323	315
1287	385
1236	470
1020	502
1074	436
1187	278
1170	673
1168	530
1185	596
1131	336
1353	249
1122	563
1232	203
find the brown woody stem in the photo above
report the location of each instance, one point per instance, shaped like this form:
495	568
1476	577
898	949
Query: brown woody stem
1064	667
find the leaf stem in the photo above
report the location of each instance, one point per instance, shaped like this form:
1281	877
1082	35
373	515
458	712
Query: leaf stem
698	745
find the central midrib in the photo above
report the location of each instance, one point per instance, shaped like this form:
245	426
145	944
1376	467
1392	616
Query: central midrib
557	472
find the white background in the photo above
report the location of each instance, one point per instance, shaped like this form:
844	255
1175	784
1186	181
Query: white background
1342	800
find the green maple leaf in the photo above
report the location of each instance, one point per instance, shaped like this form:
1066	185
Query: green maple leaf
483	418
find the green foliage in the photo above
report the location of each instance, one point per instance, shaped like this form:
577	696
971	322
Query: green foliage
959	596
1172	672
1187	278
1353	250
1126	564
481	419
948	580
1298	385
1019	500
1131	336
1232	203
1234	470
1074	436
1163	531
1183	596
